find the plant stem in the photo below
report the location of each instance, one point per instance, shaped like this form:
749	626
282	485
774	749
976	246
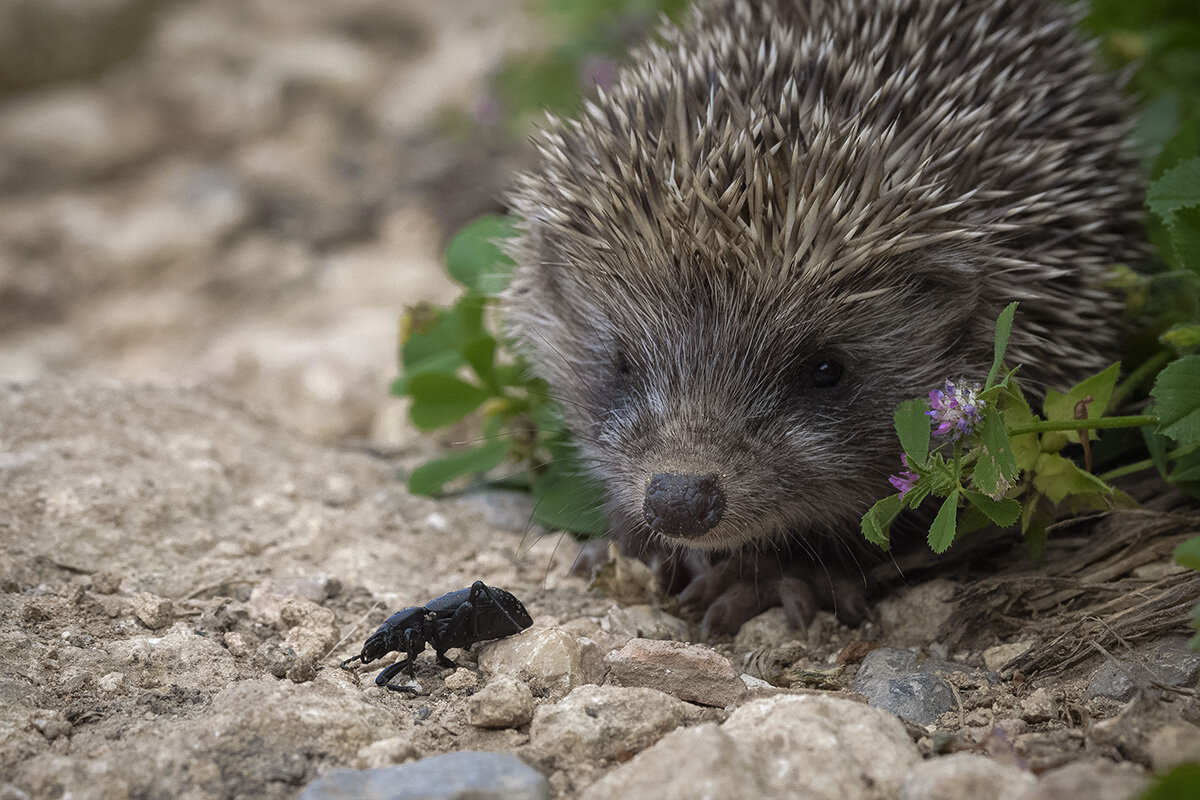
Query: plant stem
1128	469
1045	426
1147	463
1135	379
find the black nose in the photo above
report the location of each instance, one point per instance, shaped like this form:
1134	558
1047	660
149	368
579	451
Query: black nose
683	505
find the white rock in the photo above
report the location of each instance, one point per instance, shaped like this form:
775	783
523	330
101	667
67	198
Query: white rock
965	775
789	747
1174	744
1039	706
549	660
817	748
690	763
598	722
1100	779
691	672
154	611
504	703
769	628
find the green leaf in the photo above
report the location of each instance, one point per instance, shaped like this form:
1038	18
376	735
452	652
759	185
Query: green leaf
878	519
912	426
1185	238
1002	512
1061	407
481	355
568	501
1178	188
941	532
474	258
432	339
1181	783
446	362
1056	477
1184	139
1036	518
439	399
1157	447
1003	328
970	519
996	467
1182	337
1177	400
1187	554
429	478
1014	410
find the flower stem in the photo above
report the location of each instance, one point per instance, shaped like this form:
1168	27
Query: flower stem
1045	426
1149	367
1147	463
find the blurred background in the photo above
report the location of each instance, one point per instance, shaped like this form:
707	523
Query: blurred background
247	193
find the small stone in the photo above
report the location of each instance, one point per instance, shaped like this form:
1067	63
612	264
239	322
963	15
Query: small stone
965	775
312	629
1039	706
236	643
690	672
462	680
768	629
386	753
110	682
52	724
1174	744
302	670
339	490
154	612
550	661
504	703
907	684
480	776
106	582
1094	780
605	722
994	658
754	683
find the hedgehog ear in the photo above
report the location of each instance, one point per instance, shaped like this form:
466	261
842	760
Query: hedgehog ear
946	281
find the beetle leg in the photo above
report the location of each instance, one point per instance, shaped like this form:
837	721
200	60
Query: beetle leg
444	661
384	678
346	664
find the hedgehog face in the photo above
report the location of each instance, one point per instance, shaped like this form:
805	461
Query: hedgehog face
718	412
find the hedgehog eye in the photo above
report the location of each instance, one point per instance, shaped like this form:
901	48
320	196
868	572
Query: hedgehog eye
826	373
621	363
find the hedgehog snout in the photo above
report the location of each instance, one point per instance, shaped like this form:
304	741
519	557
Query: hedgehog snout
681	505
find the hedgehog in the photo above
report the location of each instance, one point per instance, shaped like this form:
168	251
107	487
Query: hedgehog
785	217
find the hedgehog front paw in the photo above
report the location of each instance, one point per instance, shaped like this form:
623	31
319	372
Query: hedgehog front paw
726	596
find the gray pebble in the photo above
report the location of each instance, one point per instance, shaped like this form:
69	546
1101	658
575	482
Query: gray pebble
454	776
1168	662
907	684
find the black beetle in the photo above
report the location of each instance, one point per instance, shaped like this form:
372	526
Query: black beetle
457	619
